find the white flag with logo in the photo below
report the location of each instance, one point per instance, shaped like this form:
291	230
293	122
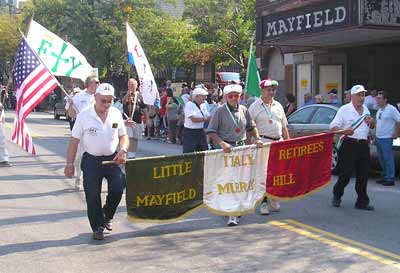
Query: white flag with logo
234	182
60	57
137	57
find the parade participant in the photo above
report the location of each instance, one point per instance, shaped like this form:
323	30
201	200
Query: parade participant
387	129
100	129
355	121
229	125
3	150
193	136
271	123
128	101
77	104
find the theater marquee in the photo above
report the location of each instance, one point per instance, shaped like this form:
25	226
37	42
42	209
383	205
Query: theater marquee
330	16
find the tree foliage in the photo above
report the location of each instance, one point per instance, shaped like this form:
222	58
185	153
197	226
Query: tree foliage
224	27
216	31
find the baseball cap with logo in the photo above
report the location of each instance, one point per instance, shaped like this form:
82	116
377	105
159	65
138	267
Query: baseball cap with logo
105	89
357	89
232	88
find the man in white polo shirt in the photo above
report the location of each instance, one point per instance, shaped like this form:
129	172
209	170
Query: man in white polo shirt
354	118
271	123
100	130
196	114
387	129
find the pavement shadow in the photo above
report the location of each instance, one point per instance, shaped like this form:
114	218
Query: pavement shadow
43	218
36	195
30	177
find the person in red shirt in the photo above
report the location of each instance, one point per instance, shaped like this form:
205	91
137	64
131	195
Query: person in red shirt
163	110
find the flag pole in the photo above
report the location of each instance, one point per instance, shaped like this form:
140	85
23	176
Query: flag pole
248	62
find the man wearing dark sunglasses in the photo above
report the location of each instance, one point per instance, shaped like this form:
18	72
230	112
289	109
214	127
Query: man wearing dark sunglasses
387	129
230	125
100	130
271	123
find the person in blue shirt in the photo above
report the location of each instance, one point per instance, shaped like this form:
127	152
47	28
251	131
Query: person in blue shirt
308	99
333	97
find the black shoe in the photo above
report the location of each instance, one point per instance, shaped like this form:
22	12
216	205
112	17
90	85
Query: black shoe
336	202
364	207
380	181
388	183
98	234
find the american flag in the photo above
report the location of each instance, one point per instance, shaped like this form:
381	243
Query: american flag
33	82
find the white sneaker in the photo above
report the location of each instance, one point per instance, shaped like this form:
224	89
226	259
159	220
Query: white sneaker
264	208
131	155
274	205
78	183
233	221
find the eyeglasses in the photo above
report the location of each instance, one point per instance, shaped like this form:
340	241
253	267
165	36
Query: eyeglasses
231	96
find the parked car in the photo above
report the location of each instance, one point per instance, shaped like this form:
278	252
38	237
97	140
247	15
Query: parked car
59	109
315	118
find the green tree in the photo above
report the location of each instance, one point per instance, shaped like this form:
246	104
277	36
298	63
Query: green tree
224	28
9	39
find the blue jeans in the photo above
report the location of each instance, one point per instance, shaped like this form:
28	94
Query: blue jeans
386	158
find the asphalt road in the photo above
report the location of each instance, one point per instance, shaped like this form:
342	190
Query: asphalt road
44	228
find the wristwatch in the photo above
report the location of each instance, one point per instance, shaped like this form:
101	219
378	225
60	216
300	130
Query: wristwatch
124	150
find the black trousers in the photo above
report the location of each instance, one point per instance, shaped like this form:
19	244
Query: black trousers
93	174
353	155
194	140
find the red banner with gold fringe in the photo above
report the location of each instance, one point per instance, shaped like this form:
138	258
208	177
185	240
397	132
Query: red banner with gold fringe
300	166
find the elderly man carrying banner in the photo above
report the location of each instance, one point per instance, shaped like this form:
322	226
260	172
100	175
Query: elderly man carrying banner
229	125
100	130
355	121
271	123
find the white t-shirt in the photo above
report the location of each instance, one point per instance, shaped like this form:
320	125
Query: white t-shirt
81	101
191	110
98	138
346	116
263	116
386	120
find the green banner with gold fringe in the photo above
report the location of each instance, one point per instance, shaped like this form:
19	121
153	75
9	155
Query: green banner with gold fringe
164	189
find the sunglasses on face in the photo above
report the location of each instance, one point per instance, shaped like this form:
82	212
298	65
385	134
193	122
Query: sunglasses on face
231	96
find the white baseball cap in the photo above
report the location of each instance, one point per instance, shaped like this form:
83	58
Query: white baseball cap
357	89
105	89
232	88
199	91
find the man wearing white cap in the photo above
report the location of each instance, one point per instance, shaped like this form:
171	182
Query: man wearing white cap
3	150
229	126
271	123
196	114
100	130
354	118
